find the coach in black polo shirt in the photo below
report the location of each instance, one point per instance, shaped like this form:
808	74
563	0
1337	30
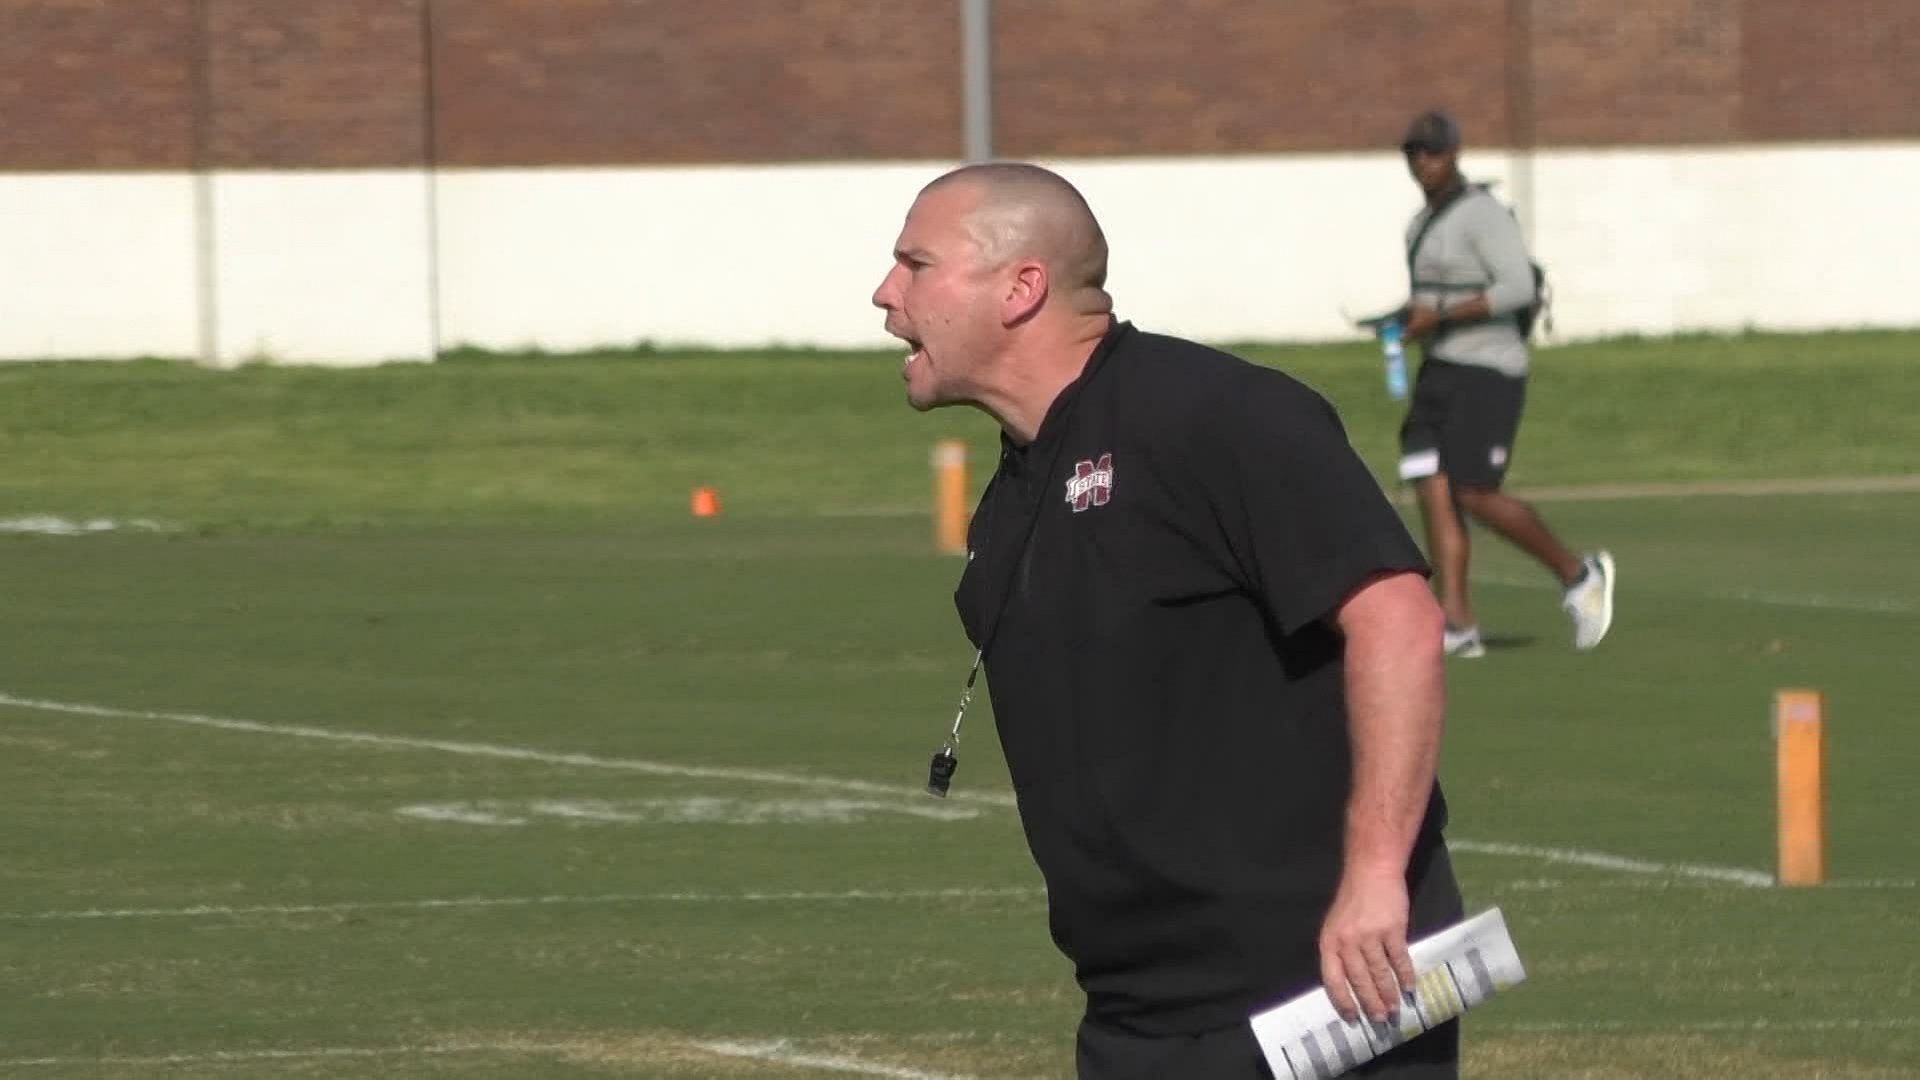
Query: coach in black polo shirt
1213	656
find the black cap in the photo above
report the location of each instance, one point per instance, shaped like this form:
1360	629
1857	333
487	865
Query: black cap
1433	131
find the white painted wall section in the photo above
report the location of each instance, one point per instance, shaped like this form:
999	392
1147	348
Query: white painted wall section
1637	242
730	256
1800	238
1232	249
1228	248
325	268
348	268
97	265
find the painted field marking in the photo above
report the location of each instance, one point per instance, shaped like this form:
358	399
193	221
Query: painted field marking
52	525
492	750
1650	884
1897	484
777	1051
244	1057
1868	605
781	1052
1598	859
693	810
1735	875
1626	492
457	903
1756	1026
894	896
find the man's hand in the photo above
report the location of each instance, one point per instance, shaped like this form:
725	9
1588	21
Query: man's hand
1363	944
1422	321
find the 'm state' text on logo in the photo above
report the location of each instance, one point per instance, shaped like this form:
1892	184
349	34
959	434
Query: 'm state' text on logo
1091	483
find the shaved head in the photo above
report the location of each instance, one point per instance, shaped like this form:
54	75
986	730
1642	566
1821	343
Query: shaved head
999	289
1025	212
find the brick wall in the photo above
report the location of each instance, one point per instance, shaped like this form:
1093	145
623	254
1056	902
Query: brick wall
319	84
96	84
1843	70
163	84
1607	72
621	81
1077	77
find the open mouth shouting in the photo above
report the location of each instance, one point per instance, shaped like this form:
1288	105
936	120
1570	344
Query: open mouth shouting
916	351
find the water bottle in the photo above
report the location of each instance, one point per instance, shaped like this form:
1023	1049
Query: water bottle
1392	345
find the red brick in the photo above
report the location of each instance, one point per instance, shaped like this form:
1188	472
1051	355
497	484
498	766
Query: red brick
1080	77
1845	69
648	81
1645	72
316	83
145	84
96	84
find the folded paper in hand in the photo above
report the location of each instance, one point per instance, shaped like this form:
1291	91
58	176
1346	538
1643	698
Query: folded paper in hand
1455	969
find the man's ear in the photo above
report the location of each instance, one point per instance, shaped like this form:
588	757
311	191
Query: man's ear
1026	293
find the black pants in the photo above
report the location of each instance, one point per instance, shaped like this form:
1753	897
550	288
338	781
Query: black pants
1108	1053
1232	1054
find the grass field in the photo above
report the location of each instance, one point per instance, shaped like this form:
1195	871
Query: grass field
430	737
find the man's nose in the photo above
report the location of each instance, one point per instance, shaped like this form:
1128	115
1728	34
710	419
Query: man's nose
888	294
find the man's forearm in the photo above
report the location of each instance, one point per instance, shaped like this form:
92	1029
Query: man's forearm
1396	703
1473	309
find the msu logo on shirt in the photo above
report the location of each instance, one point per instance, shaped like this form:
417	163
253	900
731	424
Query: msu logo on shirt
1091	483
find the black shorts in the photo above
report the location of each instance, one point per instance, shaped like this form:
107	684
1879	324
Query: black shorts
1104	1052
1462	422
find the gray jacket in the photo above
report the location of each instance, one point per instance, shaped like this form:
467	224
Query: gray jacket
1475	247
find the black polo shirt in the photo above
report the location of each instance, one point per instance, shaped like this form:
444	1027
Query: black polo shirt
1167	686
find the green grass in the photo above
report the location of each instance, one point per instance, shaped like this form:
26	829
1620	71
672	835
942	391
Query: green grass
496	553
614	437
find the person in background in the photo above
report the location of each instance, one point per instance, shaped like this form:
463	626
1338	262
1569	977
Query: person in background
1472	280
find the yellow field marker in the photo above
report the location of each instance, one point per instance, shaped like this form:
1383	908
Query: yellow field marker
1799	729
950	496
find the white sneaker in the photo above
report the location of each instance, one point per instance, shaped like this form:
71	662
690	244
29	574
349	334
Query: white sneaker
1590	601
1465	644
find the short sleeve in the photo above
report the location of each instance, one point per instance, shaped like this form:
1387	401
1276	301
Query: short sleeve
1303	521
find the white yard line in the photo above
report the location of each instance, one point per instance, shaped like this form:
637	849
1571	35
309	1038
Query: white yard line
202	911
492	750
781	1052
52	525
1602	860
1872	605
1762	488
1754	1026
1820	601
693	810
1651	883
902	896
1598	859
246	1057
778	1052
1623	492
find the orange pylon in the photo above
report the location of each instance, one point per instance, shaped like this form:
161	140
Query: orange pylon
706	502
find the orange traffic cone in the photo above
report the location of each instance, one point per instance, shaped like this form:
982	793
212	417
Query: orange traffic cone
706	502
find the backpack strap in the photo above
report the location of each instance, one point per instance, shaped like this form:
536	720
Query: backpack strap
1542	297
1433	218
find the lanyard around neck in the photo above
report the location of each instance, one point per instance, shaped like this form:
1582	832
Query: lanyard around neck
940	774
